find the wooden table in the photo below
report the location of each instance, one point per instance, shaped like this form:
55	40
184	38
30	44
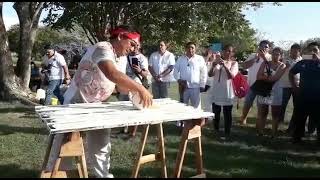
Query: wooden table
73	119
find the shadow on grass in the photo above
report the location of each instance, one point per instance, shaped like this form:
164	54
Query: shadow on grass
28	110
15	170
247	155
6	130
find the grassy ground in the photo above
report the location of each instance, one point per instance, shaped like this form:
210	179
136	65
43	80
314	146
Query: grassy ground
23	143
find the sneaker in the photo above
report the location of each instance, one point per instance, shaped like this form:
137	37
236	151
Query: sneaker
109	176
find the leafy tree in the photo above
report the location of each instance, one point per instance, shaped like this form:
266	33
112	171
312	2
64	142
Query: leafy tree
177	22
44	36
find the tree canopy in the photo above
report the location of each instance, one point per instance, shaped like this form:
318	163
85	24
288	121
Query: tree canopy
176	22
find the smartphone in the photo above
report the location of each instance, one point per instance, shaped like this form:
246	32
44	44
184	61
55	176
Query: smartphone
216	47
135	61
307	56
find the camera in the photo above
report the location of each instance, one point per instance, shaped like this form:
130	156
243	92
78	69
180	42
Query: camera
47	69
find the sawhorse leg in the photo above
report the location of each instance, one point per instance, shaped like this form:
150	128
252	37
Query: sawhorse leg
72	146
190	131
159	156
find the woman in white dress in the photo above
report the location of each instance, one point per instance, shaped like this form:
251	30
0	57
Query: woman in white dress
224	68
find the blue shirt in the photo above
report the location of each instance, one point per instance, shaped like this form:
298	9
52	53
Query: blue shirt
309	78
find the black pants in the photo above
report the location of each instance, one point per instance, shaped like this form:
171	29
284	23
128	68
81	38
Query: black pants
303	109
227	114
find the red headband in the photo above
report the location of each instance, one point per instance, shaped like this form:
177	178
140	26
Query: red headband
131	35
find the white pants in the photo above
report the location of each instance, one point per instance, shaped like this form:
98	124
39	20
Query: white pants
192	95
99	150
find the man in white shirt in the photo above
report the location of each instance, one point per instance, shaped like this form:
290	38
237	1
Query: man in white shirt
253	64
137	65
57	70
295	56
191	73
161	64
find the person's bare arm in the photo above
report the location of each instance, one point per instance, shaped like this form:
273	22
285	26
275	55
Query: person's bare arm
248	63
124	82
166	72
153	74
142	72
66	72
279	73
229	72
260	74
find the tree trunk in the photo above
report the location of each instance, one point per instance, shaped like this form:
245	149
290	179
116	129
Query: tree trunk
9	88
29	15
7	77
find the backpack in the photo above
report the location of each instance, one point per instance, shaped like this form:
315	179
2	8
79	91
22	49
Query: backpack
240	85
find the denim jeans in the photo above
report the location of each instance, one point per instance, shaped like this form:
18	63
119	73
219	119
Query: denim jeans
54	89
249	98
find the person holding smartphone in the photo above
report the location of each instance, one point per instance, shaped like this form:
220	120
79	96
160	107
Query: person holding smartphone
253	64
137	65
224	68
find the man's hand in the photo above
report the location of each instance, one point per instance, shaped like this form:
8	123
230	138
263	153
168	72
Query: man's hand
262	53
205	89
145	97
136	68
182	83
158	78
316	56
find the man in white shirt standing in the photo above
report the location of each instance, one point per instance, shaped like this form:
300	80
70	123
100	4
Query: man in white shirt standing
253	64
295	56
191	73
137	65
161	64
57	71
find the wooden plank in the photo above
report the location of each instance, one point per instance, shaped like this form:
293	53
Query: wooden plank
162	156
181	152
140	151
148	158
73	146
203	175
59	174
194	132
198	149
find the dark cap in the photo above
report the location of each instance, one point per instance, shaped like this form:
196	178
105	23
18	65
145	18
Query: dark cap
48	46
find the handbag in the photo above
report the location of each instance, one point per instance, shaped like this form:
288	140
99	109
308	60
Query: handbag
144	81
263	87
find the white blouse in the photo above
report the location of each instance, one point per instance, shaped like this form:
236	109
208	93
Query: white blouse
222	89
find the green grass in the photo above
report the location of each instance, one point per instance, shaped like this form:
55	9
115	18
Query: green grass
23	143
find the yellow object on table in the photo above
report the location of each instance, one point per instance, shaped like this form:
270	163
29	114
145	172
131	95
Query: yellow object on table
54	101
